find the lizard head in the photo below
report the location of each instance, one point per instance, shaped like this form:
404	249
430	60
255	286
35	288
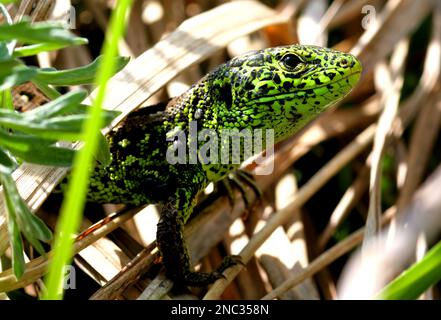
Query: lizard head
283	88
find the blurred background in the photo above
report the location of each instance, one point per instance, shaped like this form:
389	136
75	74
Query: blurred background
355	169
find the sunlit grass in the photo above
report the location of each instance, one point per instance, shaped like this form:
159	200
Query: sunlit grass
73	205
417	279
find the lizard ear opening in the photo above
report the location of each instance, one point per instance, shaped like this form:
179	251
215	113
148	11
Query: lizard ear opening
226	94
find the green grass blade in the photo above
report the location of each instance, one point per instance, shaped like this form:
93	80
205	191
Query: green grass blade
73	205
417	279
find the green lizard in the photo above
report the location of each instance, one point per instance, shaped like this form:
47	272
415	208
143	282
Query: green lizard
280	88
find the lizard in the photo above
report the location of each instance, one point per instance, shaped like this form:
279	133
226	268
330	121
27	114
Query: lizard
280	89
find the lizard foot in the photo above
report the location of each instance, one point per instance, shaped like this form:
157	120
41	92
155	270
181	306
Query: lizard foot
202	279
229	261
240	179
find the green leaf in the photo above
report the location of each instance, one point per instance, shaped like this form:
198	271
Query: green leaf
12	114
21	142
63	128
47	156
66	103
74	121
34	49
8	45
77	76
36	150
7	164
57	128
35	33
417	279
70	124
4	51
31	226
15	240
108	115
47	90
13	72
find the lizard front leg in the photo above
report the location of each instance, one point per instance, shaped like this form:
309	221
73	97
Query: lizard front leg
173	248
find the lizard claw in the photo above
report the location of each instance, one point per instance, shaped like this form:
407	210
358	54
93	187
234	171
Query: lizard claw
228	262
241	179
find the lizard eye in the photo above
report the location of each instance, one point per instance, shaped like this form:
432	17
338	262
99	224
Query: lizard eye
344	62
291	61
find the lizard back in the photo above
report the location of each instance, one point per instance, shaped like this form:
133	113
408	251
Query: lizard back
139	172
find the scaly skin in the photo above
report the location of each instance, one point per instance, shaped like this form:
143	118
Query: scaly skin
279	88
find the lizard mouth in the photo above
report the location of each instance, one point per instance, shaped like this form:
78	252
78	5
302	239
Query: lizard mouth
348	80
